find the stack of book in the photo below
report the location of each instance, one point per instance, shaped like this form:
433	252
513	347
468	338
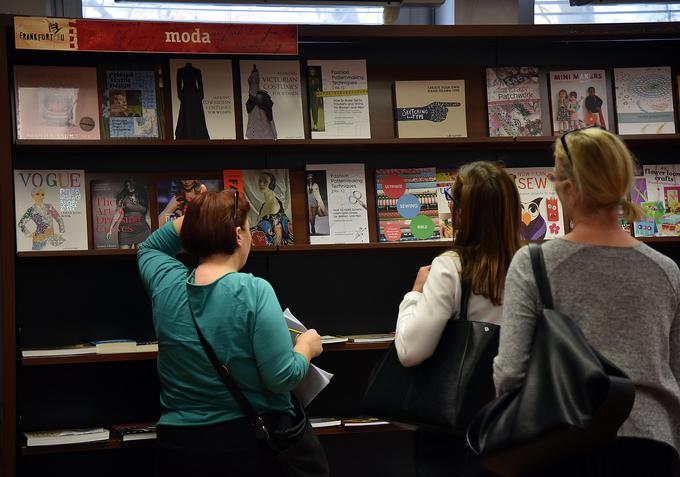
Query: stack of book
66	436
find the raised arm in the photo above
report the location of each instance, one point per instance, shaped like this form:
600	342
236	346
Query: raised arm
281	368
424	314
156	256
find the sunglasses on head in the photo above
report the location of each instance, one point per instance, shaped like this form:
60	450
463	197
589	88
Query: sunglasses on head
235	205
447	194
563	139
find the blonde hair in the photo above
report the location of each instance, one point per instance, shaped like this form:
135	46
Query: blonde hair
488	209
601	168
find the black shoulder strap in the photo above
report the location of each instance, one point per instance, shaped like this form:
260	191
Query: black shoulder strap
540	275
256	421
466	290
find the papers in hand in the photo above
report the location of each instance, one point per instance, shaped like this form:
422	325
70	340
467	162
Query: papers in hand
317	379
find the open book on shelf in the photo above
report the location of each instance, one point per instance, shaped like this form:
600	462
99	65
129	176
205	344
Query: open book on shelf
371	338
66	436
363	421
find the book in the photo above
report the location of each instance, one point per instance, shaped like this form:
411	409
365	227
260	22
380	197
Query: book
56	102
120	212
336	203
514	101
130	103
330	339
371	338
644	100
406	202
363	421
318	422
337	92
202	99
115	346
658	193
173	196
50	210
71	350
135	432
579	99
271	99
146	347
268	193
66	436
444	183
542	211
434	108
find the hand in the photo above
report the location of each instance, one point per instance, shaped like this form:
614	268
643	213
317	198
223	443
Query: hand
178	224
203	189
309	344
423	273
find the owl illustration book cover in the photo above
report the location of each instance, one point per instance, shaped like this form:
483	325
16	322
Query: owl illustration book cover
542	216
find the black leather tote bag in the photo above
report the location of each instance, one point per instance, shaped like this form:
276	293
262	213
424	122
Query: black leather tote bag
572	398
445	391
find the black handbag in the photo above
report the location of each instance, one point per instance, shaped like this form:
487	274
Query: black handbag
571	401
295	444
446	390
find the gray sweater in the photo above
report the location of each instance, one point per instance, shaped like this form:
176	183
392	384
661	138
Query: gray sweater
627	302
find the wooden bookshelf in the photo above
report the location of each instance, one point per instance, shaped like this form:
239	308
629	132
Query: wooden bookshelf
321	145
116	443
151	355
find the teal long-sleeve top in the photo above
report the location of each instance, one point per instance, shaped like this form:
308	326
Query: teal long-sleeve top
240	317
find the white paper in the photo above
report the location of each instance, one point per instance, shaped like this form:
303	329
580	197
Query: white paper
317	379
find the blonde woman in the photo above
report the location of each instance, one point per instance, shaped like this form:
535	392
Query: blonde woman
486	213
624	295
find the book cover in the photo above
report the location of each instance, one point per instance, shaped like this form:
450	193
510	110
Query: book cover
268	193
202	99
406	202
336	203
136	431
542	212
579	99
120	212
318	422
514	101
433	108
644	100
363	421
56	102
271	99
444	182
661	205
130	104
173	196
50	210
337	91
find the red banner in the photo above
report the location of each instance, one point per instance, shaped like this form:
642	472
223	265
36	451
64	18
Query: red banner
153	37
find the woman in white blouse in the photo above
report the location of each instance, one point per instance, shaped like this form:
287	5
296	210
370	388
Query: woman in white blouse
486	211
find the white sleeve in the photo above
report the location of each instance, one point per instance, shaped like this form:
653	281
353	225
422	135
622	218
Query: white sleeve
423	316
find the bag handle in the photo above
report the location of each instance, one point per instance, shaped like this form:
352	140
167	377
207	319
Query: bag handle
466	291
261	431
540	275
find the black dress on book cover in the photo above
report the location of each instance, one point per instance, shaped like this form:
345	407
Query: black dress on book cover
191	119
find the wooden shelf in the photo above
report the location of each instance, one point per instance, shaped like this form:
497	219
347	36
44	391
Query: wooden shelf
151	355
88	358
662	240
302	248
288	145
116	443
347	346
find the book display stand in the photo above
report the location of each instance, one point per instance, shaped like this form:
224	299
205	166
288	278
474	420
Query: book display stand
60	298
